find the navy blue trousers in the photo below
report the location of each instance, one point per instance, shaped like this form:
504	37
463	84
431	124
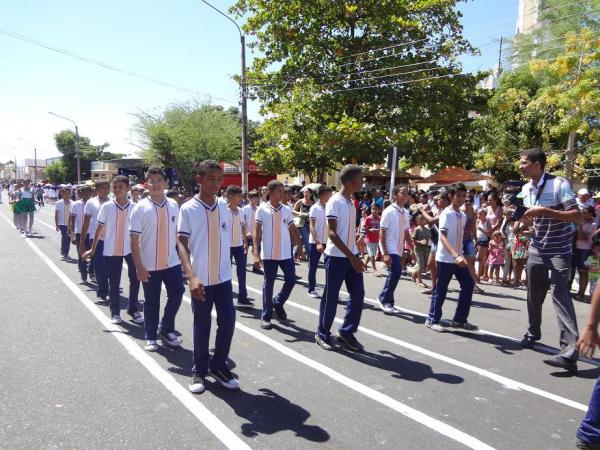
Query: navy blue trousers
270	267
173	280
65	241
221	295
82	264
589	429
445	271
114	268
313	261
394	272
100	271
337	271
240	257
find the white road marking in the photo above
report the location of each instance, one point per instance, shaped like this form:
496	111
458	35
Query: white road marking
214	425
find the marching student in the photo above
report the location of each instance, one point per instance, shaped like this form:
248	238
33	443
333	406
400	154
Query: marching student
249	212
318	236
113	231
394	232
153	233
342	264
76	223
274	234
239	243
88	231
62	218
450	262
25	208
204	231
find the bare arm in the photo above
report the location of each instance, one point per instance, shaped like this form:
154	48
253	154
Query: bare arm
141	271
84	232
196	287
313	229
589	339
294	234
256	241
450	249
357	264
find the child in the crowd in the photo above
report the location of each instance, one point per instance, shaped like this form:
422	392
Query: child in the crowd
484	229
62	219
421	236
361	232
318	236
583	248
592	263
372	235
239	242
84	193
249	212
519	251
496	256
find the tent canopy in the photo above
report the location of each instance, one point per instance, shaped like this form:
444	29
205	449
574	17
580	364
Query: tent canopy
454	174
385	173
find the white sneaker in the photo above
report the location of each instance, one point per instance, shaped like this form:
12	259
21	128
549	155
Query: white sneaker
171	339
151	346
116	319
136	317
435	326
313	294
197	385
389	309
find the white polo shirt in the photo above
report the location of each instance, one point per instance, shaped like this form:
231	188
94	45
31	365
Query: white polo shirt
115	219
453	223
64	211
156	226
237	219
77	212
92	207
275	222
209	231
317	213
342	210
395	221
249	217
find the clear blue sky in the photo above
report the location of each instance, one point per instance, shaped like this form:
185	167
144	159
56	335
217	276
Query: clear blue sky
183	43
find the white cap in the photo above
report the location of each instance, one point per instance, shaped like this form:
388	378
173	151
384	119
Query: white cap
583	191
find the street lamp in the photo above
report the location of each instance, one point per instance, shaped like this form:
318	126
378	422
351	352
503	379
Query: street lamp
244	94
76	144
34	158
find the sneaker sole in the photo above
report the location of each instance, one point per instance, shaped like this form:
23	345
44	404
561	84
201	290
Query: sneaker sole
197	390
345	343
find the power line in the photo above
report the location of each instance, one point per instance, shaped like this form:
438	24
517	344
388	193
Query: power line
394	83
106	65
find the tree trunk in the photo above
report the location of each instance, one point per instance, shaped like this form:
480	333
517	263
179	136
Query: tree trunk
570	157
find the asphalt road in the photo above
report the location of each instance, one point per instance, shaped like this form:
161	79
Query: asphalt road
70	379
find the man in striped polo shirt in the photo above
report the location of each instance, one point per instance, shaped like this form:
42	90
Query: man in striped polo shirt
552	209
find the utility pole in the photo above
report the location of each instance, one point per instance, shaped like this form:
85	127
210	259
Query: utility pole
34	165
500	56
570	150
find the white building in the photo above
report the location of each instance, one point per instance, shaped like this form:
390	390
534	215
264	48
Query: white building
528	16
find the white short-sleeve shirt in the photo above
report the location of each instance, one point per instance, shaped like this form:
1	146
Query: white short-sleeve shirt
453	223
275	222
317	213
115	219
342	210
208	228
237	219
156	226
77	212
92	207
249	217
395	221
64	211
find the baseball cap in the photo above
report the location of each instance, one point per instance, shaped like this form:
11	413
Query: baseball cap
583	191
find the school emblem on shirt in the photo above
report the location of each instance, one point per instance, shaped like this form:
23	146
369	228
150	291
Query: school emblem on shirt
224	226
173	219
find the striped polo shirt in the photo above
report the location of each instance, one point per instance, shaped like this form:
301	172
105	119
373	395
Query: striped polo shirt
551	237
275	223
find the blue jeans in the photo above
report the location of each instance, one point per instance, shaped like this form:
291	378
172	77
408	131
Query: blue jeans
270	267
445	271
100	271
173	280
81	263
304	234
313	261
589	429
221	295
337	271
240	257
65	241
114	268
394	271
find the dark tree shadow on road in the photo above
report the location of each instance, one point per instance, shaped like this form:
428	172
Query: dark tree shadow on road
269	413
485	305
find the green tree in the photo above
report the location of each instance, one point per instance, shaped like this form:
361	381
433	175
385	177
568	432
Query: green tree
57	172
187	133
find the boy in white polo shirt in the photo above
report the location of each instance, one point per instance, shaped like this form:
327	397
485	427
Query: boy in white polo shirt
204	231
449	261
153	232
62	216
84	193
239	244
274	233
395	221
342	264
113	226
318	236
249	212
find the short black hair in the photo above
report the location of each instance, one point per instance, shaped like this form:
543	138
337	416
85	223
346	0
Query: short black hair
155	170
172	193
397	189
323	189
101	183
208	165
120	179
349	171
232	189
457	187
274	184
84	188
253	194
534	155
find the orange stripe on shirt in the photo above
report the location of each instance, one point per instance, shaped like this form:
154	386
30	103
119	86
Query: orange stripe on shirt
235	232
351	227
120	231
162	238
214	250
276	238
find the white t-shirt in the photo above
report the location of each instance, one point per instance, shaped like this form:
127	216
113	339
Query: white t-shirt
92	207
317	213
453	223
156	225
276	243
249	218
395	221
64	212
237	218
342	210
115	219
77	212
209	231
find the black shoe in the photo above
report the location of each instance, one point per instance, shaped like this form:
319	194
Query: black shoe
266	324
325	344
559	361
280	312
528	341
350	342
226	378
257	270
579	444
243	301
298	277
